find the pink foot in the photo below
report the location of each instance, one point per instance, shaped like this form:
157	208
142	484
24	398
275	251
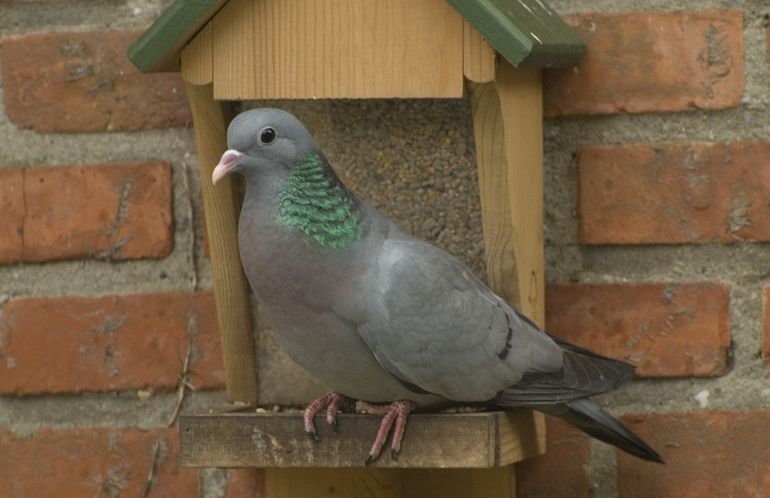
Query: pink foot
397	412
333	402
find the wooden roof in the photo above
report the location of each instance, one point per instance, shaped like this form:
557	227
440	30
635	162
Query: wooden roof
525	32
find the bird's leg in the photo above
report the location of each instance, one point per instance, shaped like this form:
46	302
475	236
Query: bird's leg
336	405
397	412
333	402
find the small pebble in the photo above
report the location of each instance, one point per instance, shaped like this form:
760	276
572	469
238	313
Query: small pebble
703	398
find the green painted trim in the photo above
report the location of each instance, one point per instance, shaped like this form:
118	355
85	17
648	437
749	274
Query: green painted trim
158	48
525	32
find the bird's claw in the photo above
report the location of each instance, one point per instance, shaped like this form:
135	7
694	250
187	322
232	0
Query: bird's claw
313	436
334	426
330	401
369	459
394	454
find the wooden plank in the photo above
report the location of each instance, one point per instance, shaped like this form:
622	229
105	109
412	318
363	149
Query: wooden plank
467	483
236	47
508	124
475	440
478	56
525	32
222	208
521	100
337	49
499	235
197	58
158	48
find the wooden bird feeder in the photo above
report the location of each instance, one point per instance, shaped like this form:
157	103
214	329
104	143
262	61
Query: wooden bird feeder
491	51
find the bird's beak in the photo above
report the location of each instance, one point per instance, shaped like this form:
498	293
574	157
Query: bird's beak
226	164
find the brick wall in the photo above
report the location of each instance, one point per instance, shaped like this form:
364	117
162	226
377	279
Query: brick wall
657	188
658	156
104	289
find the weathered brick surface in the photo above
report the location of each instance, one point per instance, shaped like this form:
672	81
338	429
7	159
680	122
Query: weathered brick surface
722	453
674	193
12	209
667	330
108	343
76	82
89	462
648	62
245	483
561	472
115	211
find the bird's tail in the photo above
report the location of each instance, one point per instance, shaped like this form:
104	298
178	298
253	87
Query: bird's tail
589	417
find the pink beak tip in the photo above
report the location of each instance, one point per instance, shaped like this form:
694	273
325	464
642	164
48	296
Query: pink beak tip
226	164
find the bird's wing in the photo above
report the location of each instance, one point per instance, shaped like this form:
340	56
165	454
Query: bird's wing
434	325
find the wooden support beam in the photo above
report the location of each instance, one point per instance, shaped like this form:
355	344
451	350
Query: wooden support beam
507	123
471	440
479	58
521	101
222	205
508	128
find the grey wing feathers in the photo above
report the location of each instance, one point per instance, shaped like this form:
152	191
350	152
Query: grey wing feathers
432	324
584	373
582	376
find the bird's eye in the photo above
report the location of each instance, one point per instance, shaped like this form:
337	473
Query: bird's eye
267	135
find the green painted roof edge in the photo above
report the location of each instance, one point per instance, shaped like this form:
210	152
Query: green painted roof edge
510	28
506	27
158	47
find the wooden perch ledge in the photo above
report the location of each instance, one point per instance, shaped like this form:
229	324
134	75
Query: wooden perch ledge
270	440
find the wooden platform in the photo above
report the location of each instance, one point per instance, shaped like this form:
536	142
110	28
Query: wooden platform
473	440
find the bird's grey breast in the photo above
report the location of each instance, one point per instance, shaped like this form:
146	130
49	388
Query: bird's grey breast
312	298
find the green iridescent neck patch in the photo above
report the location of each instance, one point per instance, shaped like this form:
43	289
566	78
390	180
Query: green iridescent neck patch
315	202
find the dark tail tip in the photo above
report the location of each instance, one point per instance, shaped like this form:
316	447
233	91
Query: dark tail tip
587	416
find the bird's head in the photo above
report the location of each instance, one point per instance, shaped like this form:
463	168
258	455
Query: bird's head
263	139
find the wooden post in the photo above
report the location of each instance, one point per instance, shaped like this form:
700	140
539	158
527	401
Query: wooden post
521	103
222	206
508	127
507	123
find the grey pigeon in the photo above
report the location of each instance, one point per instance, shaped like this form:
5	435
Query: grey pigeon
383	318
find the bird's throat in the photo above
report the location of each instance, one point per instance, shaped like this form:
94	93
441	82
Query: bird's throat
314	201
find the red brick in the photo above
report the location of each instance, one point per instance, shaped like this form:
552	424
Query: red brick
108	343
561	472
12	209
649	62
92	462
674	193
666	330
78	82
245	483
114	211
721	453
